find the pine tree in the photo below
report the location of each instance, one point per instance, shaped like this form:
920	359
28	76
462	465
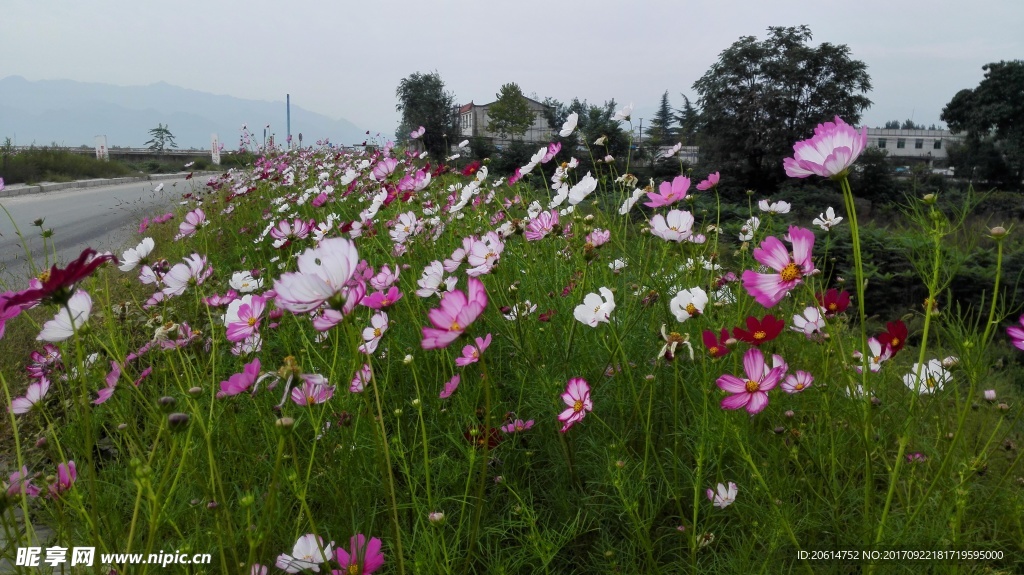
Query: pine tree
662	132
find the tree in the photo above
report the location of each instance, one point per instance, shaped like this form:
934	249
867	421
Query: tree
510	115
593	122
761	97
423	101
892	125
992	115
161	138
910	125
661	131
689	121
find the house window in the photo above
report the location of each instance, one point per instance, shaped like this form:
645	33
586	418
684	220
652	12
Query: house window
919	143
901	143
881	142
937	145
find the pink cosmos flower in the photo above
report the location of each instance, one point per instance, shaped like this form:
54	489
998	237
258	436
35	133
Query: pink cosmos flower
362	557
417	133
66	476
1016	334
7	312
243	317
361	378
541	226
241	382
471	353
751	393
669	194
21	482
811	324
381	299
598	237
769	289
181	276
450	386
384	168
484	253
314	390
517	426
829	154
217	300
323	276
456	313
285	232
797	382
193	220
385	278
577	397
33	396
552	151
308	553
710	182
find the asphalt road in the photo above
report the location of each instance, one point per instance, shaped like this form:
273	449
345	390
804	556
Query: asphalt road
103	218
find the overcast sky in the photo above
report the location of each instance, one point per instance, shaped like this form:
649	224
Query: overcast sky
344	58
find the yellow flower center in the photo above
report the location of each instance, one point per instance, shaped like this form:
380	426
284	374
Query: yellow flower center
895	341
760	335
310	400
790	273
578	406
931	383
713	350
752	386
354	569
455	326
376	332
692	309
251	321
798	387
832	307
44	276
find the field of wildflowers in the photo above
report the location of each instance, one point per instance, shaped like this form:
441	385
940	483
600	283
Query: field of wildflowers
357	362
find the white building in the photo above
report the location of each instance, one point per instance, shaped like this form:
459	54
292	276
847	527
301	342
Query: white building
474	119
920	145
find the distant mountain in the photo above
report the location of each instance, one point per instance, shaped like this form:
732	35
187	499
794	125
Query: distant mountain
73	113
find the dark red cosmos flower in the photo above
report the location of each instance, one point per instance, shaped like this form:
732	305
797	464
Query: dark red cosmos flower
716	345
895	335
546	316
833	301
759	331
471	169
57	285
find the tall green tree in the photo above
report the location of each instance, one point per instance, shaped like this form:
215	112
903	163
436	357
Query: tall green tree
761	97
510	116
160	138
992	116
423	101
662	133
689	122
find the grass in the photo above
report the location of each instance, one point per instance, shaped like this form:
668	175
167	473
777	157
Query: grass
168	464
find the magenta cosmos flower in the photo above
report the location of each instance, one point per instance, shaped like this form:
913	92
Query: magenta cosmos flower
829	154
471	353
769	289
362	557
323	274
1016	334
240	382
456	313
577	397
66	476
58	284
752	392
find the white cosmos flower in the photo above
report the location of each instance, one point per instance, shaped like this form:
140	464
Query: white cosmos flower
630	201
243	282
625	113
305	555
748	229
725	495
828	220
582	189
69	319
133	256
570	125
688	303
675	227
774	207
594	309
927	378
673	150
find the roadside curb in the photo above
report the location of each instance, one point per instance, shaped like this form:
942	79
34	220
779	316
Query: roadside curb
22	190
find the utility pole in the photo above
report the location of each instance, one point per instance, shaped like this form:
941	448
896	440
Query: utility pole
288	105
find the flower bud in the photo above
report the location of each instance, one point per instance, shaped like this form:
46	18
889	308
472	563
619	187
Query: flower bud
195	391
990	395
929	199
177	421
408	359
998	232
789	413
166	401
284	423
436	517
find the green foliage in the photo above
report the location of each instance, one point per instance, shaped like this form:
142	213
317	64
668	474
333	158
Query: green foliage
992	115
688	118
160	139
423	101
662	133
874	179
510	115
55	165
762	96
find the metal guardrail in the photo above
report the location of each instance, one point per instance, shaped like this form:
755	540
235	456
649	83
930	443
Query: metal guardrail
89	150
